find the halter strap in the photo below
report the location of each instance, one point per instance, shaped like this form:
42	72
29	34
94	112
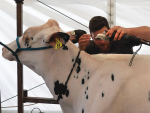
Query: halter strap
29	49
22	49
14	54
65	86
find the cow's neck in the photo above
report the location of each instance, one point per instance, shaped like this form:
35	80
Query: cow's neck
53	64
56	66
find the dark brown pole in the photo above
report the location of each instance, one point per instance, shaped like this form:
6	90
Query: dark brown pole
19	66
0	101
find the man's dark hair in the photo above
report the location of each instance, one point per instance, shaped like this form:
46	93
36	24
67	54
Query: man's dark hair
97	23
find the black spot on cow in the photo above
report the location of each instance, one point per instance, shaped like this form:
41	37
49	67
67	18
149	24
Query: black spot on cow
61	89
103	94
79	61
112	77
87	97
65	47
26	42
67	93
31	38
76	76
72	60
82	110
87	88
83	81
149	96
88	77
78	69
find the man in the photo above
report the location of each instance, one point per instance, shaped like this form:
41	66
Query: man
98	25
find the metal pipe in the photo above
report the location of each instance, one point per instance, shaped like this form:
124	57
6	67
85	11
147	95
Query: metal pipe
0	101
111	10
19	66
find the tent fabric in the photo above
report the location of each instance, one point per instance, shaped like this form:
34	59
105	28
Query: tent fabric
129	13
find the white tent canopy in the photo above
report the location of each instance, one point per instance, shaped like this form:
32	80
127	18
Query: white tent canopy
129	13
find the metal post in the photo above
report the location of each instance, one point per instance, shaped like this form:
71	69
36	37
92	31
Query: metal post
0	101
111	9
19	66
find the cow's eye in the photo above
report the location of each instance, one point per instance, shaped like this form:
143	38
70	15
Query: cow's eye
27	39
31	38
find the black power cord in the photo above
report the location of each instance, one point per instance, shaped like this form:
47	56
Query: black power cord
62	14
27	90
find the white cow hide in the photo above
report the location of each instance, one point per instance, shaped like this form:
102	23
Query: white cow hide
98	84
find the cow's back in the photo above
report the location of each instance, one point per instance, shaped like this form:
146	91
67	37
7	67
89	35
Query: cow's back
117	87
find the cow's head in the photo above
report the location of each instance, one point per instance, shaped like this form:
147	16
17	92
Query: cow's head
48	34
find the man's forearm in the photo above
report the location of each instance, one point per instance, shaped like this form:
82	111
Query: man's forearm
141	32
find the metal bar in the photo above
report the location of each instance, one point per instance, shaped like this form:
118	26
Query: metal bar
0	101
40	100
25	93
22	96
19	66
111	10
110	13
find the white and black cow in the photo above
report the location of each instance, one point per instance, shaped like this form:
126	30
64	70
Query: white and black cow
97	84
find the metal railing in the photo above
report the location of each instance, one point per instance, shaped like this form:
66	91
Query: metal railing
0	101
22	95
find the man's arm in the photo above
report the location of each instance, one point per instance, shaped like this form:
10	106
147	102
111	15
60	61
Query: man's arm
84	41
142	32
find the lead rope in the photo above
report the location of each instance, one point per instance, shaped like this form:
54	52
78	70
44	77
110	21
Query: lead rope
64	89
14	53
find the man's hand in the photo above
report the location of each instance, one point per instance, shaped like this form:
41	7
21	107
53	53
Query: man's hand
84	41
120	32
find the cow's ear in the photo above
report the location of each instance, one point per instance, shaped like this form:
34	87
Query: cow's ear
57	40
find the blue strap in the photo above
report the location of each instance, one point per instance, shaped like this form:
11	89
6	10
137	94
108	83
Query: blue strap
14	54
22	49
17	40
29	49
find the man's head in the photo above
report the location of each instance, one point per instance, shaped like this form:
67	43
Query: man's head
97	25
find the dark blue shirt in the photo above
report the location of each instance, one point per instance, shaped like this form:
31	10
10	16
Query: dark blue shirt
117	47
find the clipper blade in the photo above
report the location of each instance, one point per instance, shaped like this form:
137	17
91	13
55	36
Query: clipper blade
102	37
